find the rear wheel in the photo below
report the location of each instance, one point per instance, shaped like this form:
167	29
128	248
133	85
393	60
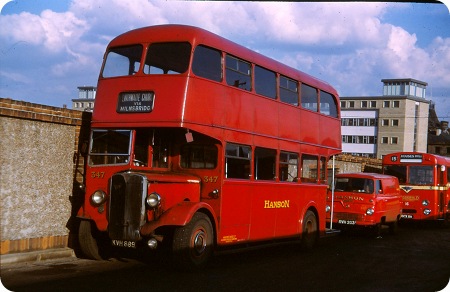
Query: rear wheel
90	239
309	230
193	243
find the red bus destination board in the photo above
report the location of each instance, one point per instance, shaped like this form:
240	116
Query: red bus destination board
199	143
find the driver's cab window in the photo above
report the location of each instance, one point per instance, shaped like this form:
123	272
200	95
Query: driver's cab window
151	147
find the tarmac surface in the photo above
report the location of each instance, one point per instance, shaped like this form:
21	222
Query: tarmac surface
417	258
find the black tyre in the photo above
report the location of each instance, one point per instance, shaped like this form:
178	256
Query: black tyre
193	243
89	239
310	232
393	227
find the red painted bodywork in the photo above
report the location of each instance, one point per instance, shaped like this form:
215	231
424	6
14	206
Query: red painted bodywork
436	191
350	205
225	114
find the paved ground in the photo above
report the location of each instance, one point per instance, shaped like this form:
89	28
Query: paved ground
416	259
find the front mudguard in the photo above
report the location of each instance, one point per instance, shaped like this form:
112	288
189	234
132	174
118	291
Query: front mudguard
179	215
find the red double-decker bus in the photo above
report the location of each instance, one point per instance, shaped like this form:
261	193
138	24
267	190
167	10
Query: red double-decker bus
424	182
200	143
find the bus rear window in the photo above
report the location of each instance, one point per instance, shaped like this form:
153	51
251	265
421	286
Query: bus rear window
122	61
328	104
167	58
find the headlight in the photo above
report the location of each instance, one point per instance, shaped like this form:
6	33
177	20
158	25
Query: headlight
327	209
427	212
425	202
98	198
370	211
153	200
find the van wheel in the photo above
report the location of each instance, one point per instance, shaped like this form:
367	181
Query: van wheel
193	243
90	238
393	227
309	231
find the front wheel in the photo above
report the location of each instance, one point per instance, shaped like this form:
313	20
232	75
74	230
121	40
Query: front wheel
309	230
193	243
90	239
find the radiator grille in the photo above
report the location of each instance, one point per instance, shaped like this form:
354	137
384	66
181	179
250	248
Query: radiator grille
127	209
348	216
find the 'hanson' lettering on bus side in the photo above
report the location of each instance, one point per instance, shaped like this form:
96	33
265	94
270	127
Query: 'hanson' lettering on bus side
276	204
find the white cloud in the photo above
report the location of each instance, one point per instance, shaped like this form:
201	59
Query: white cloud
350	45
50	29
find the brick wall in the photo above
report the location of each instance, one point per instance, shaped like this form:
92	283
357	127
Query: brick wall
39	154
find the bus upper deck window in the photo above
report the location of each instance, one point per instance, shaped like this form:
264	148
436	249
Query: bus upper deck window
167	58
207	63
122	61
309	97
328	104
238	73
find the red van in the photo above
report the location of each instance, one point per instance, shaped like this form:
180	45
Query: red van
365	199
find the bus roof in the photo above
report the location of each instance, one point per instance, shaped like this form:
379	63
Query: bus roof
195	35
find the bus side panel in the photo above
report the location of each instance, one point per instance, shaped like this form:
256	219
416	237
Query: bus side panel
300	196
235	212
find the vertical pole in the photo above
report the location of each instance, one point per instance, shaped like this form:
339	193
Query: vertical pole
332	196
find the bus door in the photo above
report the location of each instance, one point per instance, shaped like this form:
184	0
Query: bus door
236	193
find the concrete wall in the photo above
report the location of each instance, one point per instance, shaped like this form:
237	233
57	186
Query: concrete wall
37	148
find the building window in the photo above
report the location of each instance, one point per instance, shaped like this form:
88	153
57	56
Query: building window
394	140
448	152
386	103
396	103
385	122
437	150
364	104
351	104
384	140
373	103
343	104
394	123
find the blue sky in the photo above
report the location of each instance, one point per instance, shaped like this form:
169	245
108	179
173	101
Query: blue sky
50	47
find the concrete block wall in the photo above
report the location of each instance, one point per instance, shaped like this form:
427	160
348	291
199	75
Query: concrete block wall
38	147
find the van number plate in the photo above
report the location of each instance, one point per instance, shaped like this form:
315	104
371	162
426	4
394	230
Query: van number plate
124	243
348	222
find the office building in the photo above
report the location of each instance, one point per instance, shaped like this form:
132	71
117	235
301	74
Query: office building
373	126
